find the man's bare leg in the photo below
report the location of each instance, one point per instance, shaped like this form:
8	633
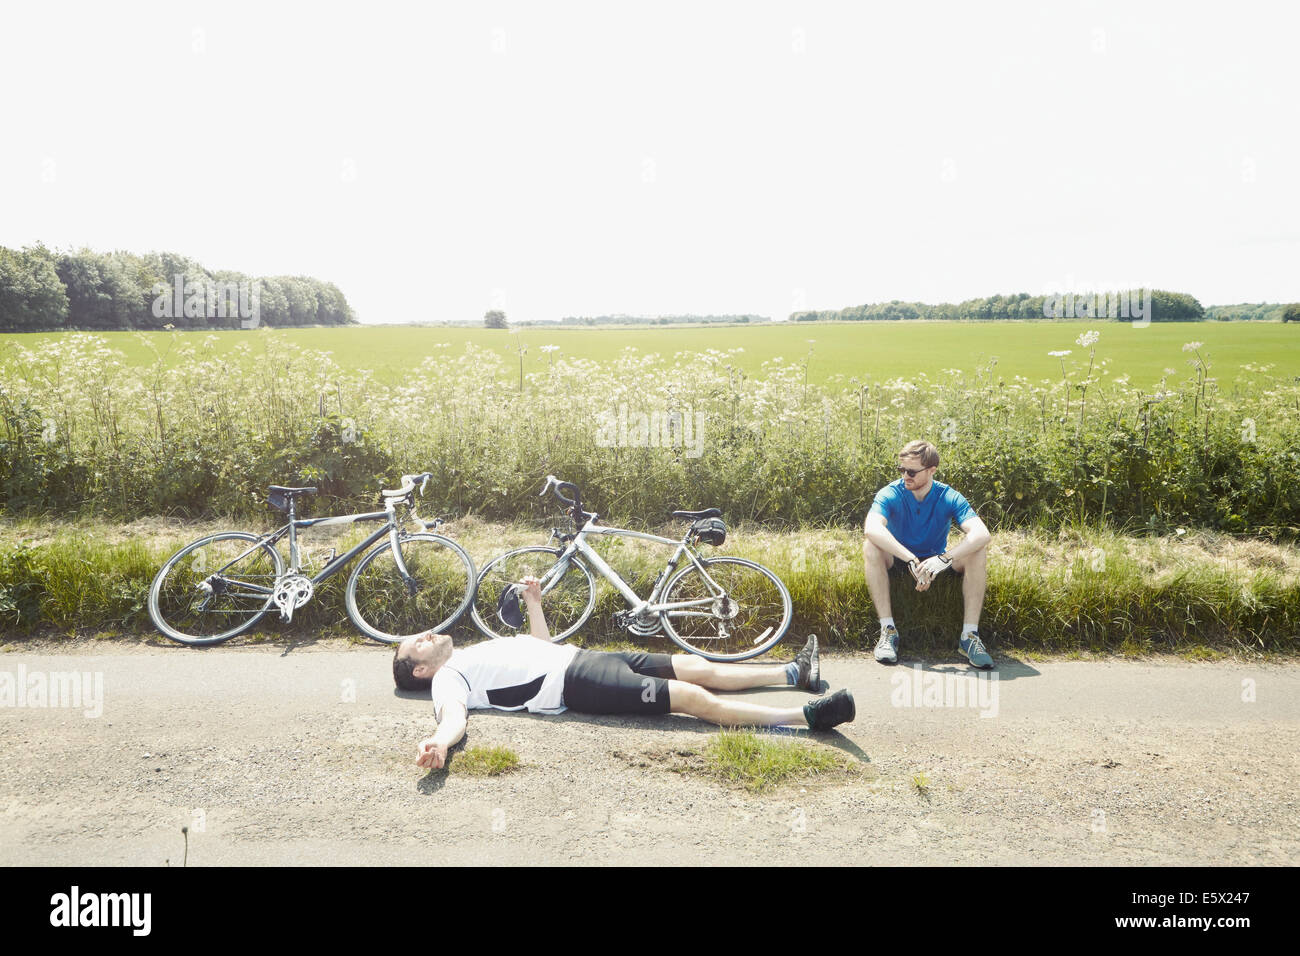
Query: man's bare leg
698	702
877	564
975	577
696	670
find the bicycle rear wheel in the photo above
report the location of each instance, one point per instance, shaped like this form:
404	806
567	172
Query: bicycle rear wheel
567	603
742	609
214	588
389	608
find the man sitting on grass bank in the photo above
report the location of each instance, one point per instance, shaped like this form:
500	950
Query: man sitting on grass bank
909	521
517	673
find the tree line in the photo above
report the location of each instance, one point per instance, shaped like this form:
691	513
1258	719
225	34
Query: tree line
657	319
1254	312
1164	307
47	290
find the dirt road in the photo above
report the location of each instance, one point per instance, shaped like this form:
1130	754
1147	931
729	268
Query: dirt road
305	755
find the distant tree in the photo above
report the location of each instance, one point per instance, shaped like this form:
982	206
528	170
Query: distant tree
332	308
301	294
494	319
31	295
105	290
1291	313
89	305
272	303
1247	312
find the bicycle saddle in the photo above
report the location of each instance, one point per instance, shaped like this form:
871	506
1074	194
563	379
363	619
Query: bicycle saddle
294	491
706	513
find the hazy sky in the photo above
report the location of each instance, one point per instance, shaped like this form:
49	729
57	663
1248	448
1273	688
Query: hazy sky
437	160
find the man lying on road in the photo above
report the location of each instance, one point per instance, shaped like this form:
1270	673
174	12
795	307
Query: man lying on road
518	673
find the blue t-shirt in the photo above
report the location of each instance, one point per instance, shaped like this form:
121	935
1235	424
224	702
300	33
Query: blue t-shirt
922	526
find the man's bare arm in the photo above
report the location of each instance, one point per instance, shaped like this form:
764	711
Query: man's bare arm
433	750
977	536
533	601
879	534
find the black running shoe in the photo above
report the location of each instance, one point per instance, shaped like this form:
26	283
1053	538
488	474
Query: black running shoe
810	668
827	712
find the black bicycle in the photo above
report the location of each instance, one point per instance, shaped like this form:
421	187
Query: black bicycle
221	585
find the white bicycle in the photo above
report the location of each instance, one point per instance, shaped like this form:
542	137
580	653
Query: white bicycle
721	608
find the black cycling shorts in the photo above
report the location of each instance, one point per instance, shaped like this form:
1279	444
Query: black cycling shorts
899	569
618	682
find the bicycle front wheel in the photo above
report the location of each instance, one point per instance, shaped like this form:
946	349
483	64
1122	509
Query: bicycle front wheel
568	593
738	609
214	588
390	607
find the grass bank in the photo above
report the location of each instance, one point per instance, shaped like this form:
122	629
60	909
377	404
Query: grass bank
1199	593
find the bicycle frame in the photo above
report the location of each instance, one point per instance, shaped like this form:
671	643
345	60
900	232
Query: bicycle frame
391	528
639	607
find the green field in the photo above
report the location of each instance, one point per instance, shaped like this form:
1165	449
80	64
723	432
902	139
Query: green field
883	350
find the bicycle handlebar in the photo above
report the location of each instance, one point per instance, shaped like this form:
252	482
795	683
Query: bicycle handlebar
408	485
575	503
557	484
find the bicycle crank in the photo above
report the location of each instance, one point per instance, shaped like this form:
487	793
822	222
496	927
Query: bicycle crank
292	592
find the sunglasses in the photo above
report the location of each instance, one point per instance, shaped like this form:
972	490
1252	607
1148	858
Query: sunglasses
911	472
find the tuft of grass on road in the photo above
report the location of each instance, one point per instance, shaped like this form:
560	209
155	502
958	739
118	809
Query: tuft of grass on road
760	763
484	761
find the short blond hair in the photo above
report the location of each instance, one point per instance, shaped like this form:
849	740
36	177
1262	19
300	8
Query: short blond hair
923	450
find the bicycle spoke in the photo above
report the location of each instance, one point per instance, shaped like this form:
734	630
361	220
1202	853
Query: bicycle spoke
739	622
193	602
389	606
566	604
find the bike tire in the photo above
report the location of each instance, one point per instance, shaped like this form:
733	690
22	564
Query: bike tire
756	593
568	605
182	615
445	581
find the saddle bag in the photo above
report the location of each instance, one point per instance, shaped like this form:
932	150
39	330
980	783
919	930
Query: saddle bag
710	530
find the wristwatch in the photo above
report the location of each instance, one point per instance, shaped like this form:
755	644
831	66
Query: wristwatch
943	556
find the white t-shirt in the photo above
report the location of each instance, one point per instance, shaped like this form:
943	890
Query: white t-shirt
506	673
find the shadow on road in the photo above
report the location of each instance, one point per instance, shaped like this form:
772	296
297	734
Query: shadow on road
432	782
1007	668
